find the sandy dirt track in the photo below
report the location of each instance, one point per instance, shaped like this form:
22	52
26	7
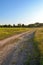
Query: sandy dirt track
18	52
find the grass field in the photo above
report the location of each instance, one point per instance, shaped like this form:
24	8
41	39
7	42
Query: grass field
39	43
38	39
7	32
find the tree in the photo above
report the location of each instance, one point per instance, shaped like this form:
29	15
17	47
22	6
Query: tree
19	25
9	25
13	25
23	25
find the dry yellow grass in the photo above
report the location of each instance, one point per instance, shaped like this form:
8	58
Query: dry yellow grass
7	32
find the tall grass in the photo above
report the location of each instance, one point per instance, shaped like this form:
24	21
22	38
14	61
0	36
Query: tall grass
39	42
6	32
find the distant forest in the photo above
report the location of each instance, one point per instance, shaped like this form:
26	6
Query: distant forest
22	25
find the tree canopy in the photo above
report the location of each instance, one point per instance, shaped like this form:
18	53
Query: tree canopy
23	25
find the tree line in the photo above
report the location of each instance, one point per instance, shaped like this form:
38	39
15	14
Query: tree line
22	25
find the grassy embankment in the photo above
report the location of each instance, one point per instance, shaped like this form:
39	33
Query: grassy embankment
7	32
39	43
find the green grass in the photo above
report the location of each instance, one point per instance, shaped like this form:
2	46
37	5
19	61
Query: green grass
7	32
39	43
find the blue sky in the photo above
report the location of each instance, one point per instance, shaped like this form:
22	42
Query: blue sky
21	11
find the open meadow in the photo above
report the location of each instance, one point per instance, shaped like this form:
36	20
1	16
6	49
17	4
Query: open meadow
7	32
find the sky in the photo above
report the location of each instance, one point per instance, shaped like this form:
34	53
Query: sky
21	11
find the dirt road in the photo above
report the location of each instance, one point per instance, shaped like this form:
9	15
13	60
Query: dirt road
21	52
4	41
